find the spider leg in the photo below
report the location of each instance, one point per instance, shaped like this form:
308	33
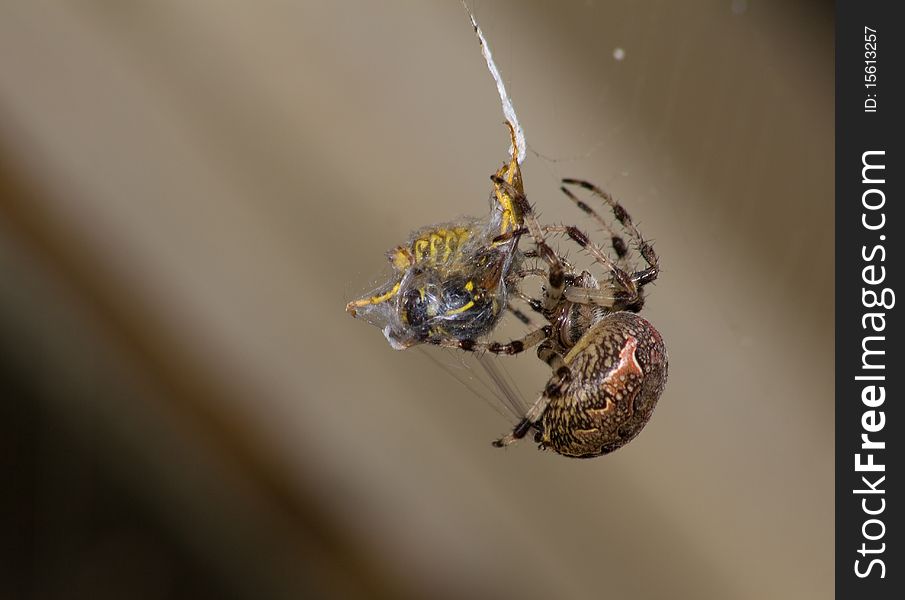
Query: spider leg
562	375
596	252
556	274
646	250
520	315
631	295
535	304
628	294
513	347
619	245
597	297
533	254
523	273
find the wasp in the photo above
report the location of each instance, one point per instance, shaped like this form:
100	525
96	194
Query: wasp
451	282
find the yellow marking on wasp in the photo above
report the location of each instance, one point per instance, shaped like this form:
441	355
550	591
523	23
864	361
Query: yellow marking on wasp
435	240
461	309
421	248
462	235
351	306
469	286
401	258
434	247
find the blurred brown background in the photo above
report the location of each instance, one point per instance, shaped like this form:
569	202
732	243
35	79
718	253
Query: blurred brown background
190	192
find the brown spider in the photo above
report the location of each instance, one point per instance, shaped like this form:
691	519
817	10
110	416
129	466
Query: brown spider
609	364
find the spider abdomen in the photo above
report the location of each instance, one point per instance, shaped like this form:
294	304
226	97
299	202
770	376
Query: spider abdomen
618	371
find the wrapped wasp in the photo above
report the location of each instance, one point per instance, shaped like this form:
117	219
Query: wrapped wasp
451	282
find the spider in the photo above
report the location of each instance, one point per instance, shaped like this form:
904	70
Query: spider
609	364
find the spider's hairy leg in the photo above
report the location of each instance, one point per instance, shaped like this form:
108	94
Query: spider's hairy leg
521	429
596	252
514	279
556	276
598	297
619	246
627	292
646	250
554	389
533	303
513	347
628	295
533	254
518	314
524	273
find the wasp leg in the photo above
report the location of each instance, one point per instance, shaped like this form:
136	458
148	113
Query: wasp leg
352	307
511	174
